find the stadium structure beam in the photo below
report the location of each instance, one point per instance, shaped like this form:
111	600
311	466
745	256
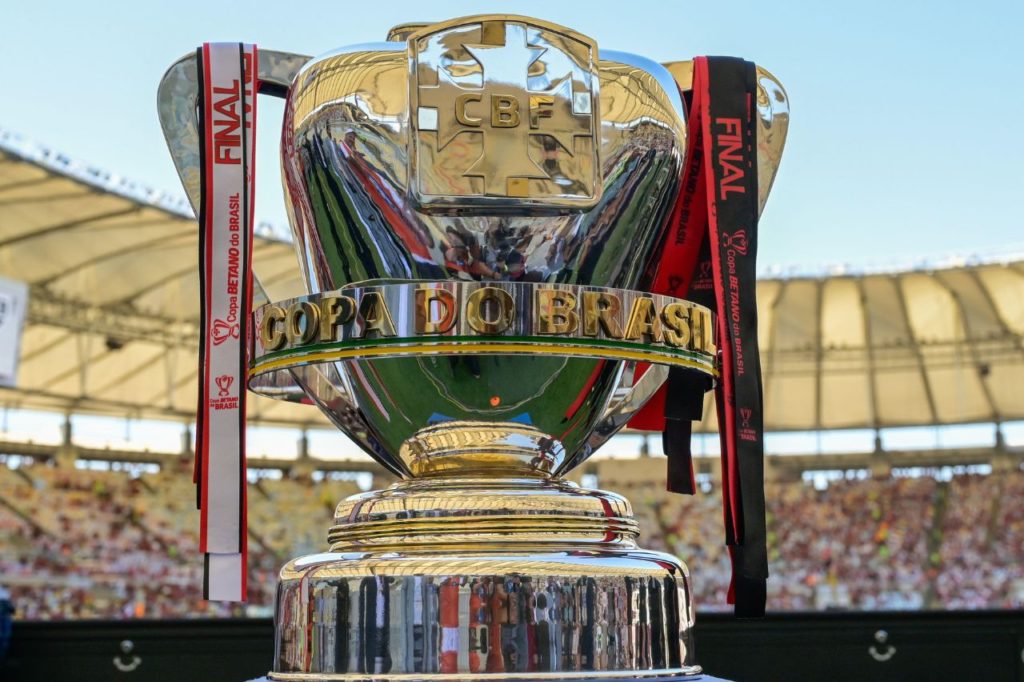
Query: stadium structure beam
84	361
783	464
31	182
170	368
281	276
69	225
43	199
46	347
869	348
972	349
996	312
772	345
819	306
895	459
82	343
48	451
915	344
131	373
257	248
109	407
120	322
118	253
173	386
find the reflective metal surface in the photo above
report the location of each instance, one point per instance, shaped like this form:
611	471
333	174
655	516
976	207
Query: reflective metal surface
357	193
459	318
485	510
521	97
772	122
348	133
489	578
177	99
561	614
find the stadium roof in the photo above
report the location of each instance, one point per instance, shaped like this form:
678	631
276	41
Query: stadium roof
113	310
113	302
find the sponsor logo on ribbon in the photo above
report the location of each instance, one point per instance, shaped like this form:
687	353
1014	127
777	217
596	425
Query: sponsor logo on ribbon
746	431
222	331
736	241
224	382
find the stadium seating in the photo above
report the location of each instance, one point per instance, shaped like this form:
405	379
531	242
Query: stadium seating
87	544
887	544
101	544
980	563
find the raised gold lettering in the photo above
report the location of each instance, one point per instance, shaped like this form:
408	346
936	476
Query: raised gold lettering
461	102
555	312
374	316
429	299
271	337
541	106
301	323
676	317
504	111
643	321
707	333
489	310
334	312
601	312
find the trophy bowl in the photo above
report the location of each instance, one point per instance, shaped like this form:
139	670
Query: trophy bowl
397	168
476	207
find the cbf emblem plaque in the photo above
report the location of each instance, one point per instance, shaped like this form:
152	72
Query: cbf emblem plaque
504	111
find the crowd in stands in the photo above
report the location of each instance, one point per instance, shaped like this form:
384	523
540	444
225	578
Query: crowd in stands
857	544
101	544
877	544
981	558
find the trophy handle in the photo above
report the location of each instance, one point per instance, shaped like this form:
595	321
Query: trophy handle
772	126
772	122
630	395
177	100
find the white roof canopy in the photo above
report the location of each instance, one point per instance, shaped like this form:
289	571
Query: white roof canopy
114	291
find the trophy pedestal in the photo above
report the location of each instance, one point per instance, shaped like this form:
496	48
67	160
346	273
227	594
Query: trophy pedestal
484	579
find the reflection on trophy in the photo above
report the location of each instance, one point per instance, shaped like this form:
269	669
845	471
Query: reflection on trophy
477	207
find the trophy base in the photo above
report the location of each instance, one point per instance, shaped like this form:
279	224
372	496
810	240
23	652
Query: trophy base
484	579
490	677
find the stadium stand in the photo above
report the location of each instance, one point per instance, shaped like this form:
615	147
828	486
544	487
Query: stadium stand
90	544
895	543
980	562
102	544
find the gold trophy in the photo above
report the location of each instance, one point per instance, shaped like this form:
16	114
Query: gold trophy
476	205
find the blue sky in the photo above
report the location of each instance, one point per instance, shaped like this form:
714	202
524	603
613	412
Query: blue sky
904	143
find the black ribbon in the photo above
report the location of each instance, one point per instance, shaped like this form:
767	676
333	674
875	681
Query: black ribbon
733	94
723	136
